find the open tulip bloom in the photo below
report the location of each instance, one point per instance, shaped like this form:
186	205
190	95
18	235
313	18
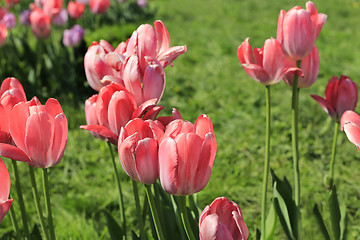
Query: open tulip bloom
350	123
39	132
5	202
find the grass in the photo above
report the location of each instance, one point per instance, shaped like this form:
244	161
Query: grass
209	79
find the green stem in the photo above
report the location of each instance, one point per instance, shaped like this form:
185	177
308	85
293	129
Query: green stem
14	222
295	142
48	204
37	202
158	203
138	210
154	212
185	218
121	200
266	164
21	200
333	153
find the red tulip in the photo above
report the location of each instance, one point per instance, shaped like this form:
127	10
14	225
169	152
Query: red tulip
265	65
186	156
298	29
52	7
39	133
114	108
99	6
3	34
11	93
309	67
75	9
40	23
340	95
350	123
138	149
5	202
222	220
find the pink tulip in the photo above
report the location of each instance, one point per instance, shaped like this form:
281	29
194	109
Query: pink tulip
40	23
309	67
3	34
39	132
350	123
222	220
265	65
298	29
99	6
11	93
5	202
114	108
166	120
340	95
75	9
52	7
186	156
95	65
138	149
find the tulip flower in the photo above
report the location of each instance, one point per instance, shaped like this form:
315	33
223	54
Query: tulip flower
75	9
24	17
114	108
340	95
3	34
5	202
166	120
309	67
350	123
39	132
11	93
61	18
73	36
99	6
138	149
222	219
40	23
298	30
266	64
9	20
186	156
52	7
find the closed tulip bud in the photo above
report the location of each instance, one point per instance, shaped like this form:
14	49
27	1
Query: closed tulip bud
350	123
138	150
298	29
265	65
24	17
52	7
340	95
5	202
73	36
186	156
3	34
75	9
40	23
39	132
309	67
222	220
99	6
62	18
9	20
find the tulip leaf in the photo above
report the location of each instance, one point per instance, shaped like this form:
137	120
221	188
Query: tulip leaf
343	222
321	222
134	236
8	235
257	234
334	213
35	233
114	228
271	222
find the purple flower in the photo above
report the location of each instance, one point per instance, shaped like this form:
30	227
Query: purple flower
83	1
61	18
141	3
9	20
73	36
24	17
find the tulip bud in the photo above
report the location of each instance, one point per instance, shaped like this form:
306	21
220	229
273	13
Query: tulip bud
40	23
350	123
5	202
99	6
75	9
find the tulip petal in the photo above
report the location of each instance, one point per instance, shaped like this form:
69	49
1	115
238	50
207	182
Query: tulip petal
257	73
273	59
168	165
328	108
18	116
131	77
12	152
245	53
102	131
167	57
350	123
127	156
154	82
146	44
144	107
4	182
152	112
4	208
209	227
4	126
146	158
162	37
53	107
60	138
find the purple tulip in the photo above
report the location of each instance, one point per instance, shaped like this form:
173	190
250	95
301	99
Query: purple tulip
9	20
141	3
24	17
61	18
73	36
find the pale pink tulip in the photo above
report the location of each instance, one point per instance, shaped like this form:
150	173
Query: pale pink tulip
350	123
52	7
39	132
340	95
40	23
11	93
265	65
3	34
138	149
298	29
186	156
75	9
222	220
309	67
114	108
5	202
99	6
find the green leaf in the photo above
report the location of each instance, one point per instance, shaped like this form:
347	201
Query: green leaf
334	213
35	233
134	236
115	230
271	222
321	222
343	222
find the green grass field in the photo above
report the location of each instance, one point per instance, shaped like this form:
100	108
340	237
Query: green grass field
209	79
